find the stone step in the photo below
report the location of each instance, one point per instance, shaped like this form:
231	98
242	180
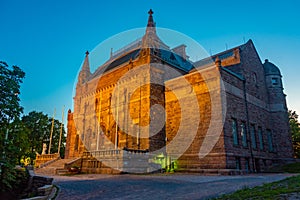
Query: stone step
62	171
54	168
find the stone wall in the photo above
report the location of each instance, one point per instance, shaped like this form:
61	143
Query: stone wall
205	150
200	109
256	113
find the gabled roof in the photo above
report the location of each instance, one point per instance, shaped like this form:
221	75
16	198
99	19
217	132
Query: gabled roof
222	55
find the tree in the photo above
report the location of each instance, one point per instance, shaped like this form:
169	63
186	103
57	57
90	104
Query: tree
39	131
10	110
10	80
295	130
18	140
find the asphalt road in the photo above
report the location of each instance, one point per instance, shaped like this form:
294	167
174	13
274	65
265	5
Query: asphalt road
156	186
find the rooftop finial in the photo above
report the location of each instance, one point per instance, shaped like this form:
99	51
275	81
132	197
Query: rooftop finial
150	12
150	19
87	53
150	39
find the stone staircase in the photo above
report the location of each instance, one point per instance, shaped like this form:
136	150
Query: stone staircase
55	168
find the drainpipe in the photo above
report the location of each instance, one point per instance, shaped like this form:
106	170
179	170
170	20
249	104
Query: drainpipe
248	124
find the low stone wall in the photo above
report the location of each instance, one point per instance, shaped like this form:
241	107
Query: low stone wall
39	186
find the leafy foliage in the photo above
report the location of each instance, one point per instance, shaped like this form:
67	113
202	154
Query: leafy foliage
10	80
10	110
39	131
17	141
20	139
13	182
295	130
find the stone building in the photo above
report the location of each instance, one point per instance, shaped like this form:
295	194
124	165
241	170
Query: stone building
149	105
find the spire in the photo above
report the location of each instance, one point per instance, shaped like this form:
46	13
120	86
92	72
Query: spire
150	19
85	70
150	38
151	24
86	64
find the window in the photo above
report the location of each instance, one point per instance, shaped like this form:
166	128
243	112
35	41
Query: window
260	138
234	132
244	134
270	140
275	81
247	165
253	139
237	163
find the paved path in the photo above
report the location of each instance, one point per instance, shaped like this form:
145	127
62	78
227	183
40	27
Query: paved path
157	186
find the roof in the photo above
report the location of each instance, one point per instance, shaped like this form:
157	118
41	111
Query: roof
125	58
222	55
149	40
175	60
271	69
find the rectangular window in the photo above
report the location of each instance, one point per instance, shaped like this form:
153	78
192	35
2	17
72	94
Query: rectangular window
270	140
244	134
260	138
247	165
253	139
234	132
275	81
238	163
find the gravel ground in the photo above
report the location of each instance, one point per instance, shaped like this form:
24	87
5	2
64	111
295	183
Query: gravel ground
156	186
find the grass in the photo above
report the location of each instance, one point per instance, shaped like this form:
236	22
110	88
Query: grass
276	190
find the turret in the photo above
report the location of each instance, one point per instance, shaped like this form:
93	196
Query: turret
273	75
280	131
85	72
83	77
274	85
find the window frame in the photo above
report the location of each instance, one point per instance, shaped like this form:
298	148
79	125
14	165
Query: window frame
253	136
244	134
234	132
275	81
238	165
260	138
270	140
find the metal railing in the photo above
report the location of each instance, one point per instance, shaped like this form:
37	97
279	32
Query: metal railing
136	43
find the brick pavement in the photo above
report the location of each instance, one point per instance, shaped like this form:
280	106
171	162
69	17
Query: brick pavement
156	186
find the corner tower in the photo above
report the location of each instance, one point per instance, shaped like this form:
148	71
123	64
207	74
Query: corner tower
278	113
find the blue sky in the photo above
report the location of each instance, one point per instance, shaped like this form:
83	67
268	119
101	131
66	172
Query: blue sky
48	39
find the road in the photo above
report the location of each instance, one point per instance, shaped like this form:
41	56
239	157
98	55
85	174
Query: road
155	186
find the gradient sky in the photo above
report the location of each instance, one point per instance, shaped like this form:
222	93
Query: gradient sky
48	38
